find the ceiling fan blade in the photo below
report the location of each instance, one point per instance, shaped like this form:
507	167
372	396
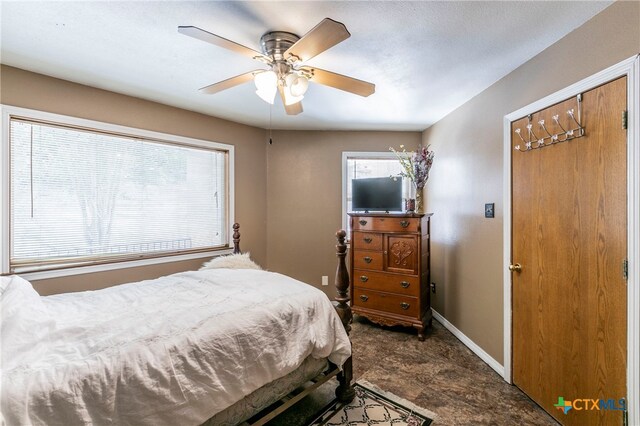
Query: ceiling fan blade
323	36
208	37
339	81
229	83
293	109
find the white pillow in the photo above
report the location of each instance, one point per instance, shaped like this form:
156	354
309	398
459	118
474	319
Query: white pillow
232	261
25	322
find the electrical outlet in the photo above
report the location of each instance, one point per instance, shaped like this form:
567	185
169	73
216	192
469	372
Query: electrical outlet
433	287
325	280
489	210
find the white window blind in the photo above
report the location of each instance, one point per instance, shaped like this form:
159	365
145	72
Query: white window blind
81	196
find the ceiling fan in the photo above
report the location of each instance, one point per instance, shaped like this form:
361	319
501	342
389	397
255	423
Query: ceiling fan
285	53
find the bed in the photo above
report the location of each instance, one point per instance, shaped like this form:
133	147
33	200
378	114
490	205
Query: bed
214	346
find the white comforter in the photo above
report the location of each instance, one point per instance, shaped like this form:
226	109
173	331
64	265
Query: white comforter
171	351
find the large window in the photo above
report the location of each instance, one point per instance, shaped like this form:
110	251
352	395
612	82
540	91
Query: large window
358	165
87	195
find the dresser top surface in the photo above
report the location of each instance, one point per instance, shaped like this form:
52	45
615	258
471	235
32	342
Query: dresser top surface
390	214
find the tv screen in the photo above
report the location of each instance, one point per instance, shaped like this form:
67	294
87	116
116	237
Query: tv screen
377	194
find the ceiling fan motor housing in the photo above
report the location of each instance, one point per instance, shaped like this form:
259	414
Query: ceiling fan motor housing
275	43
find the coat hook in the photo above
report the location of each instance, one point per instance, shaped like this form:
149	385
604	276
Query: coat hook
534	142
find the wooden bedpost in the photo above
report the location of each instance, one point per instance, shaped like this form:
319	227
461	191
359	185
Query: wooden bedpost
236	238
342	283
344	392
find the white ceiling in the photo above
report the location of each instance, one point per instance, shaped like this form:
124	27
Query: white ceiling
426	58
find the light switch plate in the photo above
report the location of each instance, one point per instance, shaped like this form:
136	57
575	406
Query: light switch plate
489	210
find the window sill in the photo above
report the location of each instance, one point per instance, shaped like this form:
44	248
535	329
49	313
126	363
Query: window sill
79	270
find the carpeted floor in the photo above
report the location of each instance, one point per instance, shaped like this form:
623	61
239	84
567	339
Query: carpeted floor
440	374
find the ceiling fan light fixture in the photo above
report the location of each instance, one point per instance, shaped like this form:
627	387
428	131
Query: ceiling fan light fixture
289	98
299	86
268	96
267	84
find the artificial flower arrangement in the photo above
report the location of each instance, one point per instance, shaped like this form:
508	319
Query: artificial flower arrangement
416	165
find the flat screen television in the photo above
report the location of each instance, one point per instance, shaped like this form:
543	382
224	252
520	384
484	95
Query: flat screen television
376	194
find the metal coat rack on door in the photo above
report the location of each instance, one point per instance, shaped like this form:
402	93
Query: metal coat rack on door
535	142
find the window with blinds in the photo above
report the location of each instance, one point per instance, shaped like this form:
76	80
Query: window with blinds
368	165
82	196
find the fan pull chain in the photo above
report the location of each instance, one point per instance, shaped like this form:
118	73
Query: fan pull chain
270	124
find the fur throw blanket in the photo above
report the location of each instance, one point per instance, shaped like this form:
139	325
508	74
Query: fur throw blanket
232	261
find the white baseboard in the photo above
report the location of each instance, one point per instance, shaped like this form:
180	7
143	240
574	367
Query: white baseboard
499	368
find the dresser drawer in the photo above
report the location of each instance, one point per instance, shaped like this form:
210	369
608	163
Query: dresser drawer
392	303
386	224
363	259
390	283
367	241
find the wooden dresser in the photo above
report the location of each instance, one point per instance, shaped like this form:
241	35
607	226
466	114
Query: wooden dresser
390	268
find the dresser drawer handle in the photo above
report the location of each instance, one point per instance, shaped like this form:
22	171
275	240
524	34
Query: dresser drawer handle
403	305
367	259
364	278
404	284
404	223
363	222
364	298
368	239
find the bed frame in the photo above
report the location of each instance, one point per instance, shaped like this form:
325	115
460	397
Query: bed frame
345	391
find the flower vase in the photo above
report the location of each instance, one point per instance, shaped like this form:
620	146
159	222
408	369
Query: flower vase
419	206
410	201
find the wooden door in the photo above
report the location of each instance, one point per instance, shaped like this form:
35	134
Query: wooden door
569	233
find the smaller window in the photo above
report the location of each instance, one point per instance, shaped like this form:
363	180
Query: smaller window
359	165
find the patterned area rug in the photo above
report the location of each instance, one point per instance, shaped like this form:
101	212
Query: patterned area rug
373	406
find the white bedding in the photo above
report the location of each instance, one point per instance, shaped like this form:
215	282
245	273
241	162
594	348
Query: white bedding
170	351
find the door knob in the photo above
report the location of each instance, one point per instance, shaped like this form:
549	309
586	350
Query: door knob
515	267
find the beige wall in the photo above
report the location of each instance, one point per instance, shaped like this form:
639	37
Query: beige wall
467	172
29	90
304	200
